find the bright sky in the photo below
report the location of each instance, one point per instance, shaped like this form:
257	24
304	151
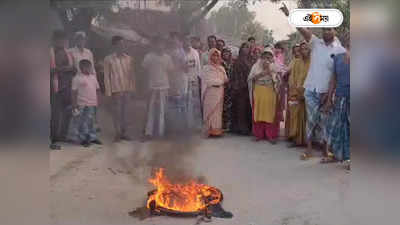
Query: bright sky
269	15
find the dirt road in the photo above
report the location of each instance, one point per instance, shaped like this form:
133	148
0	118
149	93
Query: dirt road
262	184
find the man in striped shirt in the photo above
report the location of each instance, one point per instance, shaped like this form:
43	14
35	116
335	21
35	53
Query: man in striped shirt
119	81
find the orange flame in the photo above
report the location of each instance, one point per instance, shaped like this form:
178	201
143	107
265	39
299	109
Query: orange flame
190	197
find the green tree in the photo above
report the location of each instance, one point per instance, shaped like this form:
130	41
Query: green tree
268	37
252	29
344	7
236	21
293	39
231	19
78	14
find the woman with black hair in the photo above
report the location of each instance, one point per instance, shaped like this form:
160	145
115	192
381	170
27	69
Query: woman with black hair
241	108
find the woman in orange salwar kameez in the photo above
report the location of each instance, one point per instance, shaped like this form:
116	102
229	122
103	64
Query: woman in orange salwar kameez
213	79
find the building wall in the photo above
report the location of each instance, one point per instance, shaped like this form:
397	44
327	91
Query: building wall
144	4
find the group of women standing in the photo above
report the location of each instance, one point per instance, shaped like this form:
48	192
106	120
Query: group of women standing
241	96
248	96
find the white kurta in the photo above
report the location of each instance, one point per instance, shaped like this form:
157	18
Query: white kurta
78	55
157	66
191	91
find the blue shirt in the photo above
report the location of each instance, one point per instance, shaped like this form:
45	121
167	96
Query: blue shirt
342	73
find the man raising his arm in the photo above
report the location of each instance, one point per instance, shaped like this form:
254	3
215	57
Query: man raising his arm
317	82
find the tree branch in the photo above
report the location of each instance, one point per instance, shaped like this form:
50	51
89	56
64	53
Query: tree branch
192	10
203	13
203	3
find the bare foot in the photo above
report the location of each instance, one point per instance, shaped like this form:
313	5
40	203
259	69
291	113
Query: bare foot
117	138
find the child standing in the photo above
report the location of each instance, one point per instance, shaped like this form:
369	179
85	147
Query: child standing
84	100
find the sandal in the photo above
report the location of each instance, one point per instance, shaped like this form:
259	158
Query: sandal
55	147
306	156
329	160
347	165
272	142
329	154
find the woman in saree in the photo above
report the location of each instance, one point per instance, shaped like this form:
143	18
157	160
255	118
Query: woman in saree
213	79
296	103
227	114
241	109
263	86
295	55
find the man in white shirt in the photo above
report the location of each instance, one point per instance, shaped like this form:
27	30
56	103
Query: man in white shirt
79	52
177	55
191	91
317	82
159	66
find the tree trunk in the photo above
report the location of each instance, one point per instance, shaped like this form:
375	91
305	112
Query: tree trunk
82	21
62	14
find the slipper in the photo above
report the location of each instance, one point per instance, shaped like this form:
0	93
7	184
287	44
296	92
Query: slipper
347	165
306	156
55	147
85	144
328	160
272	142
329	155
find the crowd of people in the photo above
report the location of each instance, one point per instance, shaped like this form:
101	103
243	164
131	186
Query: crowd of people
249	94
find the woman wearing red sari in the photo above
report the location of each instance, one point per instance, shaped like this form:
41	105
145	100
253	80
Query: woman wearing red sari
213	79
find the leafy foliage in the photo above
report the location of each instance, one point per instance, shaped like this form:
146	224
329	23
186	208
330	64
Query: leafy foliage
268	37
231	20
236	21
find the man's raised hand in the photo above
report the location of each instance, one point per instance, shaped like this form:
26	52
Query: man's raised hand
284	9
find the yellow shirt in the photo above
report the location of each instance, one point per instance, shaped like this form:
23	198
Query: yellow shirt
118	74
